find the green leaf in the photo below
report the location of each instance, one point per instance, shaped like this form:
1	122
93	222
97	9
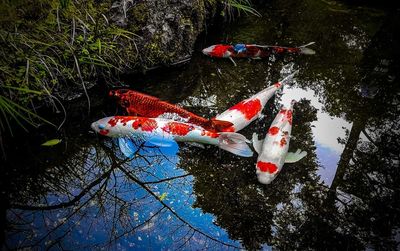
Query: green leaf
163	196
52	142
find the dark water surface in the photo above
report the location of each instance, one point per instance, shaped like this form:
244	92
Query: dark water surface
83	194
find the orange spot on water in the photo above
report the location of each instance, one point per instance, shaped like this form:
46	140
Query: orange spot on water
267	167
249	108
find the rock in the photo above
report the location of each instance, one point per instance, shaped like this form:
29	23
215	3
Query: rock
168	29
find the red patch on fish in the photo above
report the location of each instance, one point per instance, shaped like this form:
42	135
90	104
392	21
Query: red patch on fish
177	128
146	124
283	142
293	50
279	49
273	130
104	132
249	108
288	115
219	50
119	119
277	85
267	167
229	129
209	134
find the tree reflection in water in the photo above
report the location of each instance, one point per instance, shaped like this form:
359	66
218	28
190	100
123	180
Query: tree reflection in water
98	199
210	199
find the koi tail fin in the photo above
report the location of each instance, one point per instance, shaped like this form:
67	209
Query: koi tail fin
235	143
306	51
218	125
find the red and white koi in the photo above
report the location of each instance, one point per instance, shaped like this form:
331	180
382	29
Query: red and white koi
254	51
273	150
156	128
246	111
137	103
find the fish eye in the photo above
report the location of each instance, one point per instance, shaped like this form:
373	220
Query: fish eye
102	126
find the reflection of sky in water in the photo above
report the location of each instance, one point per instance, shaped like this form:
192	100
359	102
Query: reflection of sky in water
147	223
326	130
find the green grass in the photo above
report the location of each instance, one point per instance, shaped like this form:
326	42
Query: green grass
54	45
241	6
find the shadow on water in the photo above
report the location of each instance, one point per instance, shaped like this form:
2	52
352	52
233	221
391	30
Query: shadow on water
83	194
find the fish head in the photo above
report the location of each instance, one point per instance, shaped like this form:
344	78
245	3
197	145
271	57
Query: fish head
207	51
106	126
218	51
118	93
266	172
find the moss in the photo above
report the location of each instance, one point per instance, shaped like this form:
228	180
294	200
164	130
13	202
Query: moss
139	12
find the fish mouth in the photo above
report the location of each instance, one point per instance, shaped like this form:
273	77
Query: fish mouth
207	51
264	178
94	126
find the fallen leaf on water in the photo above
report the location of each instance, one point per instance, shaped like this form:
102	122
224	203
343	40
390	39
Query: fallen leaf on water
163	196
52	142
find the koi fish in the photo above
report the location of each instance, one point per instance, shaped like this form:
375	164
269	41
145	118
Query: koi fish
137	103
273	150
160	131
246	111
253	51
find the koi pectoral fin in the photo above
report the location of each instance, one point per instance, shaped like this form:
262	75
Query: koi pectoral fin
233	61
257	144
161	141
296	156
128	147
235	143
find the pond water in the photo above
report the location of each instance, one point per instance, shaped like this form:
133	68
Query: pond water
84	194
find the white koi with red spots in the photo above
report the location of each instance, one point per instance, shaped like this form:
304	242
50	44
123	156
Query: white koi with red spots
273	150
246	111
160	128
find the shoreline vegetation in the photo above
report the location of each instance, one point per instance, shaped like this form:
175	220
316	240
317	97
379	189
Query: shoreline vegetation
55	50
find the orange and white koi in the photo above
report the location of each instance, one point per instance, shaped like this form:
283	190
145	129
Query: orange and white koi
273	150
137	103
246	111
154	129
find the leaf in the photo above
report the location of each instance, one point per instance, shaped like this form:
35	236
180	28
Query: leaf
163	196
52	142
